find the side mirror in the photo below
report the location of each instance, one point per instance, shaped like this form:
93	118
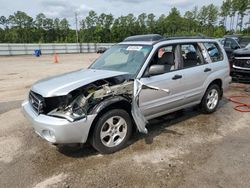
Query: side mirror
156	70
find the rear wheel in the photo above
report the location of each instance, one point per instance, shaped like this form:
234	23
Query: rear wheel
112	131
210	99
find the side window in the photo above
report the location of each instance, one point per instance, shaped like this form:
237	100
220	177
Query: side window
222	41
234	45
214	51
191	55
227	43
165	57
231	43
162	50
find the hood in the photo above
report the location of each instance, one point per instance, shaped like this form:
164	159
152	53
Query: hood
242	52
63	84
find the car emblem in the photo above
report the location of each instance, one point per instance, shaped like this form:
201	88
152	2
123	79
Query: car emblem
248	62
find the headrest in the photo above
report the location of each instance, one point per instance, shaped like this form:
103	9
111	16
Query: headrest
167	58
191	56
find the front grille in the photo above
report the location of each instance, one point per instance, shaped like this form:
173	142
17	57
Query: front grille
245	63
36	101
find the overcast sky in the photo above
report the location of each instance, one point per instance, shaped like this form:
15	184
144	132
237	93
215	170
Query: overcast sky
66	8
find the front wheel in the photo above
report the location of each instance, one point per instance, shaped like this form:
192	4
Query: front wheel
112	131
210	99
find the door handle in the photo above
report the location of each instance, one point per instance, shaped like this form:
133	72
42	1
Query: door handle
207	69
176	77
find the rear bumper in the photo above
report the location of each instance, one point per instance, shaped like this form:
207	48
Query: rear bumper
58	130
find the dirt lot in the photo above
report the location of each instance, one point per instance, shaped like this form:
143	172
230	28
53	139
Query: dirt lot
183	149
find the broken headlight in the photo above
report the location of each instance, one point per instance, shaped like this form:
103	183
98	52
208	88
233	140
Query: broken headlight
75	111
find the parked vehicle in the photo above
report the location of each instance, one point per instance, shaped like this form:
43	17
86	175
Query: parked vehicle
134	81
238	52
101	50
230	44
234	42
241	65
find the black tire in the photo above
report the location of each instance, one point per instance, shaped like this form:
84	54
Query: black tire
113	115
204	106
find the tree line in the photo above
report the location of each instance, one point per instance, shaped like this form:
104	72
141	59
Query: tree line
208	20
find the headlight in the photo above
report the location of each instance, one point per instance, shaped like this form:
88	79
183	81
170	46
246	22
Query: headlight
79	105
75	111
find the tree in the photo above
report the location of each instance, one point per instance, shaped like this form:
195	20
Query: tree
64	29
225	11
21	27
21	24
39	24
151	23
212	16
141	23
173	22
91	19
4	21
241	6
203	15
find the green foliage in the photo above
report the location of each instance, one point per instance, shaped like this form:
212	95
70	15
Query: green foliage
207	20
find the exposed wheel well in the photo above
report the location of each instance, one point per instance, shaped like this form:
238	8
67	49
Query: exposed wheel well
118	105
219	83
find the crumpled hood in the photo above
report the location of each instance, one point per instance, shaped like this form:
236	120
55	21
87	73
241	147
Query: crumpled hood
63	84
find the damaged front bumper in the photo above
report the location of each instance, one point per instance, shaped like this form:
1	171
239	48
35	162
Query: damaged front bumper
58	130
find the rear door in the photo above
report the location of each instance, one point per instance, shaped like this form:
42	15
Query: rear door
194	70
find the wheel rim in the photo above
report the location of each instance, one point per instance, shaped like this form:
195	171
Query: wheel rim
113	131
212	99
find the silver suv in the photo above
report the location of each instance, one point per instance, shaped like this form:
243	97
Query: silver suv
134	81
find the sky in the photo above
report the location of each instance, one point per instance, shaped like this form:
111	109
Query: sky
67	8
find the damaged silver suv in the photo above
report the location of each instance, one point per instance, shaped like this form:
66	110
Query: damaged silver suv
139	79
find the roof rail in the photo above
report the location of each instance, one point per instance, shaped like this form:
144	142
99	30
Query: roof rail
149	37
189	37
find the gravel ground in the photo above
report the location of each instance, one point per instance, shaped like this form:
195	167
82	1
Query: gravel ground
182	149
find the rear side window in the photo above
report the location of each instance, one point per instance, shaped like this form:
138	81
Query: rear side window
191	55
214	51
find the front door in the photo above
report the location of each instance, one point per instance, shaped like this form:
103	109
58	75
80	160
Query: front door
157	102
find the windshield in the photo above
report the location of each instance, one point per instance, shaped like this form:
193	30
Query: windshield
244	41
124	58
248	46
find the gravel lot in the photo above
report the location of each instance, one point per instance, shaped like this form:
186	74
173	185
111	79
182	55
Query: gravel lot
183	149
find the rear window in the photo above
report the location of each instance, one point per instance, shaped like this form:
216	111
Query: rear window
214	51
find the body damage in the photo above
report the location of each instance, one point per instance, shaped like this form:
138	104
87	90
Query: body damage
84	101
138	116
63	84
96	96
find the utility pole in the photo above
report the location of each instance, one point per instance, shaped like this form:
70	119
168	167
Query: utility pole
76	19
77	36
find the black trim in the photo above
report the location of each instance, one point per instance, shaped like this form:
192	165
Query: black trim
107	102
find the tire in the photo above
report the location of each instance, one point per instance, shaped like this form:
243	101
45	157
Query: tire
211	99
108	136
